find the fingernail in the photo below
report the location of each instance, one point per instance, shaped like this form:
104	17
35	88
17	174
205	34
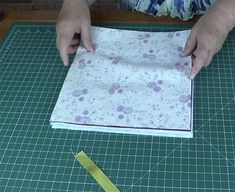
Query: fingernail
182	54
192	76
66	64
91	49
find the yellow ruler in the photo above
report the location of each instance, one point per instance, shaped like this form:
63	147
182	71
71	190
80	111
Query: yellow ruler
96	172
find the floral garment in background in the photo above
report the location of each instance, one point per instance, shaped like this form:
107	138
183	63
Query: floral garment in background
184	9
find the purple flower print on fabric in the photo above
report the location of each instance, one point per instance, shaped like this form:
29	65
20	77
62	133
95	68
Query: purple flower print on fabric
120	108
82	120
186	99
134	95
121	116
151	57
125	110
86	112
172	34
140	119
180	49
79	92
155	86
159	82
181	66
147	35
120	90
177	34
115	59
113	88
82	63
190	104
143	37
161	115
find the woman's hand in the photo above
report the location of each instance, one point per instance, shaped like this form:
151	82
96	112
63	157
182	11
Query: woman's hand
207	37
73	26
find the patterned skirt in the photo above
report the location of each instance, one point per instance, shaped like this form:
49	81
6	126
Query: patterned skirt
184	9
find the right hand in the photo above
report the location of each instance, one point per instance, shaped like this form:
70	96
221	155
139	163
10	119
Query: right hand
73	26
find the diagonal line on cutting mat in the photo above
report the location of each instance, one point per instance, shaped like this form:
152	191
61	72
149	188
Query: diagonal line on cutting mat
216	150
233	99
167	156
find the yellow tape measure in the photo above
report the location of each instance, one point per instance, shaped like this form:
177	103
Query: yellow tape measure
96	172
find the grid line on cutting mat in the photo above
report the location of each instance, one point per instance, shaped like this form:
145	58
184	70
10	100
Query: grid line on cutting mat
38	158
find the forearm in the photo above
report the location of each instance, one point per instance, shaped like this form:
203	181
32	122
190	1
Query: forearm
89	2
74	9
223	12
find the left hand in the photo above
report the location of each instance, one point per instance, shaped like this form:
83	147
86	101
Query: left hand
205	40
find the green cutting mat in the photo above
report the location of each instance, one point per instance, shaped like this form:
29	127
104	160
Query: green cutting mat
35	157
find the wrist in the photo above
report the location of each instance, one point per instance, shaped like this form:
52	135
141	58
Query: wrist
73	11
223	13
74	8
89	2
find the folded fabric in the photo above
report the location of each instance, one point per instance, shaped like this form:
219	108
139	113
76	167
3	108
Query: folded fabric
135	83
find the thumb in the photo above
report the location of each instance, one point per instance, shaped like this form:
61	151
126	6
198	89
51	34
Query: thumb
190	45
86	37
201	58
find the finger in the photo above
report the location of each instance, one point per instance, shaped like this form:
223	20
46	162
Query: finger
74	42
86	37
64	55
190	45
200	58
63	44
73	45
72	49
